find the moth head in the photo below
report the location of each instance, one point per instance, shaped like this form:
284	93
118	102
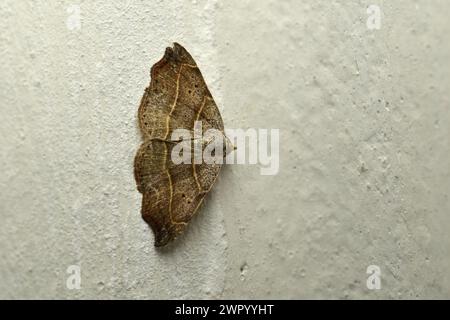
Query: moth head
228	146
220	142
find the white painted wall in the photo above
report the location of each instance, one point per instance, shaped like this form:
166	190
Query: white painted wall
364	176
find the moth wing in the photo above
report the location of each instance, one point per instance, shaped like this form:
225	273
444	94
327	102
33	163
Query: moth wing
177	97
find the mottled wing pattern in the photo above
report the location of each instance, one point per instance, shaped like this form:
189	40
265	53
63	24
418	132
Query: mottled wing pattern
176	98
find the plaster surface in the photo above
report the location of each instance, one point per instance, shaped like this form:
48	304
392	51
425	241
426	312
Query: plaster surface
364	149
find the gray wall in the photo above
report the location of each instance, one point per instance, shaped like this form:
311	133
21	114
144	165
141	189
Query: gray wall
364	126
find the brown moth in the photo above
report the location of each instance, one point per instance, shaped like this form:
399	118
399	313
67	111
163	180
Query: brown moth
176	98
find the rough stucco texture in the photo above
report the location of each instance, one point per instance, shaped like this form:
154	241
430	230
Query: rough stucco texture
364	149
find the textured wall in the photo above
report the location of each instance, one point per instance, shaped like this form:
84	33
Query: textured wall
364	123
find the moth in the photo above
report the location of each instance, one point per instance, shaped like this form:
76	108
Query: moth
177	98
